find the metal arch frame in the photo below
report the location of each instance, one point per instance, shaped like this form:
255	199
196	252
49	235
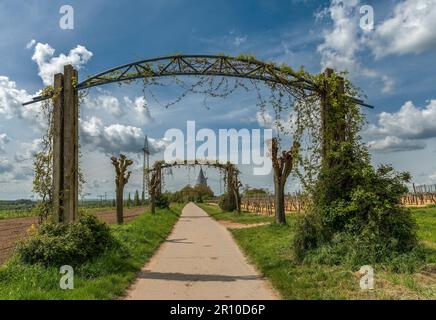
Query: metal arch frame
197	65
222	166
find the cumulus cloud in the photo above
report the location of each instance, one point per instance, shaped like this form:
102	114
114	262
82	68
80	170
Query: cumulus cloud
409	122
345	40
410	29
113	106
97	183
395	144
264	119
115	138
108	103
11	97
28	150
405	129
142	111
4	139
5	165
49	65
30	44
10	172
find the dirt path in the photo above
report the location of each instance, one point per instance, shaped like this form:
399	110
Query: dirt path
11	230
199	260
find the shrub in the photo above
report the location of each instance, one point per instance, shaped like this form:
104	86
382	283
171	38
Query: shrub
227	202
162	202
357	216
72	244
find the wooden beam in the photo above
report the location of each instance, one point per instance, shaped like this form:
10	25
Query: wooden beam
70	145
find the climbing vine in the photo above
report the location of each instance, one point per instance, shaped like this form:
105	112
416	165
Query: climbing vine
43	161
42	183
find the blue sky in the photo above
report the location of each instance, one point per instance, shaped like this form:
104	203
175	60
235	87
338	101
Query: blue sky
393	64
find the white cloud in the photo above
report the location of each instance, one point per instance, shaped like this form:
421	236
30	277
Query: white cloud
108	103
11	99
409	122
113	106
49	65
405	129
10	172
395	144
142	111
5	165
30	44
28	150
264	119
345	40
4	139
432	177
115	138
239	40
410	29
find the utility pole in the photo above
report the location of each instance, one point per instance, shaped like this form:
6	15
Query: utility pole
145	167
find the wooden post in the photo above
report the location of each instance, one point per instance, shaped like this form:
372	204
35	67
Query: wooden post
58	174
65	146
70	145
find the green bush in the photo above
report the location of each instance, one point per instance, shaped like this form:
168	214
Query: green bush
357	217
72	244
227	202
162	202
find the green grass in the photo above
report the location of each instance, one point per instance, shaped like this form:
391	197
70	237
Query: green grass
426	218
244	217
269	247
106	276
16	213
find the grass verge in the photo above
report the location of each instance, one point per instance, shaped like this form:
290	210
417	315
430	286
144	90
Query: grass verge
269	247
106	276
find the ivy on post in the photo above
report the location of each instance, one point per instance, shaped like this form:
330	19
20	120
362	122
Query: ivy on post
333	114
282	169
121	180
58	149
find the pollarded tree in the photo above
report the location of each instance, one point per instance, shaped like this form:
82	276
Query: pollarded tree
121	180
282	169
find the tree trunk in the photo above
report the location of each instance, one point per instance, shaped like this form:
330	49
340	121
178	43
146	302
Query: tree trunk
279	204
238	201
120	217
153	203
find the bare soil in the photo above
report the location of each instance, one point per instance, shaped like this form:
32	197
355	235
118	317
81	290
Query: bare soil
12	230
